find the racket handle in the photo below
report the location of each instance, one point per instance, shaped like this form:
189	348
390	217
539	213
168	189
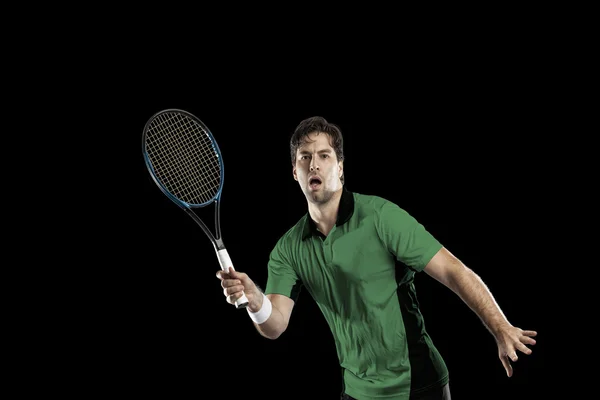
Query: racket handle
226	263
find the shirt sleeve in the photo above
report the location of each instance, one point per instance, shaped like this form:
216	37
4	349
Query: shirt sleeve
405	237
282	278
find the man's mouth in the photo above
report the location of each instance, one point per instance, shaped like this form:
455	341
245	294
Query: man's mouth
314	182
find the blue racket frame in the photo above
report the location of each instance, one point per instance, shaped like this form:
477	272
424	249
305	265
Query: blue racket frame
185	206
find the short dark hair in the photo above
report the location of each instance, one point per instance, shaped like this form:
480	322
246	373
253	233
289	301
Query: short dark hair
317	124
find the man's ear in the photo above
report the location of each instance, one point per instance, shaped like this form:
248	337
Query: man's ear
294	173
340	169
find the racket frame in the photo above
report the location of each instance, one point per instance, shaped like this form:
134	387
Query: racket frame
216	237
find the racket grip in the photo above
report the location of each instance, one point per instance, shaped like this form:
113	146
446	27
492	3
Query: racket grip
225	262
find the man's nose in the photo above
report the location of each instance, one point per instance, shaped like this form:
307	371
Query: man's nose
313	164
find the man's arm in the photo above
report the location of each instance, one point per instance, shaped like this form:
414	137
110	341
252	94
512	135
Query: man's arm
273	312
277	323
451	272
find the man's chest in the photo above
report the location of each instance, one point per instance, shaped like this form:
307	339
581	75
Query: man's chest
343	260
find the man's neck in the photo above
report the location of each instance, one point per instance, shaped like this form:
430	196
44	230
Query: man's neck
325	214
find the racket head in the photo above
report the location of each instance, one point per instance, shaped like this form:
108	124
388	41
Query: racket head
183	158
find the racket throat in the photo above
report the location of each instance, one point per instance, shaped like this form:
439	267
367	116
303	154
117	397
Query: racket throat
219	245
216	239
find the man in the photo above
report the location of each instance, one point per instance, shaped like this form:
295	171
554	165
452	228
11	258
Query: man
357	256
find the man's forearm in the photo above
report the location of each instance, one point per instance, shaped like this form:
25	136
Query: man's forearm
274	325
475	293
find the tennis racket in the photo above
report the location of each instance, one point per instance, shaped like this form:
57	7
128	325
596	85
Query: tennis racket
185	162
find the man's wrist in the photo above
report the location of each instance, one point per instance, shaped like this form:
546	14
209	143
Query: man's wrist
263	313
258	302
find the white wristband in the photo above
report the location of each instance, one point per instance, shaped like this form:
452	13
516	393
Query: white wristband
264	313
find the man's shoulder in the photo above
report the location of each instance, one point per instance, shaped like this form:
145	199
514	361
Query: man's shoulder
378	207
370	201
293	233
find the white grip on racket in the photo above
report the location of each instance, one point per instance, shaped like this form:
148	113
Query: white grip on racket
226	263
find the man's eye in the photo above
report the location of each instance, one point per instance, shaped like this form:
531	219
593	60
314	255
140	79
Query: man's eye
325	155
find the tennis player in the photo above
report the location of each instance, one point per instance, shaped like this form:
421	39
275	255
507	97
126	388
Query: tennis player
357	256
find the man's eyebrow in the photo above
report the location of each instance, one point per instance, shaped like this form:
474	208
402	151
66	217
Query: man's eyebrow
320	151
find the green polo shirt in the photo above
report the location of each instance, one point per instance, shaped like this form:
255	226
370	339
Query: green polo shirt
361	277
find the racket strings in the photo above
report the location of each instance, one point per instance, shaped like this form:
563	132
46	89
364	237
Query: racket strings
184	158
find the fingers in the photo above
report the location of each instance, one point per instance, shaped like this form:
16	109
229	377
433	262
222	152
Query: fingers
523	341
225	283
507	366
236	275
231	299
510	342
513	356
526	338
523	349
234	284
231	273
232	290
222	275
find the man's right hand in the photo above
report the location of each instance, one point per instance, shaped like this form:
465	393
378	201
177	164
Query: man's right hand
235	284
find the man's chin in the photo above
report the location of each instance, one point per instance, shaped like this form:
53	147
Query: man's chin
319	196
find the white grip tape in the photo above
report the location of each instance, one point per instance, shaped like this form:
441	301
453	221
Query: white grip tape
224	259
226	263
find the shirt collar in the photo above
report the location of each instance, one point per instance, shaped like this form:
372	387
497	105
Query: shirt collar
345	211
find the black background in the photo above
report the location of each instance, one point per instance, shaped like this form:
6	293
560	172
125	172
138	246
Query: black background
456	138
458	116
457	152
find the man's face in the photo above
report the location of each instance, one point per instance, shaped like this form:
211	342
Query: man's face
316	169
